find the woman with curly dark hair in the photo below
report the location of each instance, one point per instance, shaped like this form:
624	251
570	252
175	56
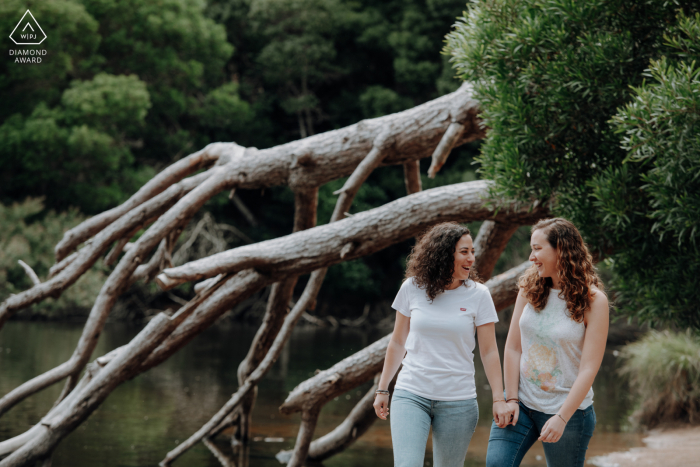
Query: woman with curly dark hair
554	349
439	309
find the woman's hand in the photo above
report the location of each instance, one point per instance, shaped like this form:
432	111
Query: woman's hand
514	408
381	406
552	430
501	414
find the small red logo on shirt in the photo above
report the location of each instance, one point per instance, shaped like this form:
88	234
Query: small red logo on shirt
463	309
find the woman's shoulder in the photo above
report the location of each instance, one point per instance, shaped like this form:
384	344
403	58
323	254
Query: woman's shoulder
598	297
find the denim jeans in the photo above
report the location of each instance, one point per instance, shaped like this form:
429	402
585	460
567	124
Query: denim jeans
453	425
507	446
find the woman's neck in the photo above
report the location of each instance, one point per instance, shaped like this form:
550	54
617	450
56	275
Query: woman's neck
556	283
454	284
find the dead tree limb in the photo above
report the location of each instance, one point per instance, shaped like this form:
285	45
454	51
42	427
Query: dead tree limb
118	366
315	160
492	239
411	177
87	256
116	283
306	209
171	175
30	272
504	287
443	149
321	246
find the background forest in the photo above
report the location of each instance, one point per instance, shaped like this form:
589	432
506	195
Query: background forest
130	86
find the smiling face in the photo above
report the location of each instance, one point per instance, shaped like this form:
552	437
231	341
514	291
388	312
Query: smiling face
464	259
544	256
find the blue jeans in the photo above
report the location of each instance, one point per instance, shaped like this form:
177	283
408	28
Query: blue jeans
453	425
507	446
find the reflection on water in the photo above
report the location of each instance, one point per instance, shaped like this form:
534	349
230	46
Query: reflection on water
144	418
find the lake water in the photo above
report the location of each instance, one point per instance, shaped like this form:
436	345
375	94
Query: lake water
146	417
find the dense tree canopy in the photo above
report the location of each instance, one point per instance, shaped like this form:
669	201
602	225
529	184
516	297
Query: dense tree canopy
593	106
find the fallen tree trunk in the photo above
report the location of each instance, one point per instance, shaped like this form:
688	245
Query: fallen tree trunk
363	234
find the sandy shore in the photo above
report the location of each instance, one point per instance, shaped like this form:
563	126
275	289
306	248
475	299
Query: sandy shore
669	447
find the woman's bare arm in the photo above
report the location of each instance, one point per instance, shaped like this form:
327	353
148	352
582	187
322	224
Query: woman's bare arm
512	354
488	349
395	352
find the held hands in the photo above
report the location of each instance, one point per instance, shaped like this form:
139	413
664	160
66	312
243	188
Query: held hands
381	406
552	430
505	414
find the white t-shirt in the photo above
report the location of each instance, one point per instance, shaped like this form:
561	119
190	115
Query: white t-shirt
439	363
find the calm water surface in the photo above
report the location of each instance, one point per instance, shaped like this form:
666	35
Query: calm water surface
146	417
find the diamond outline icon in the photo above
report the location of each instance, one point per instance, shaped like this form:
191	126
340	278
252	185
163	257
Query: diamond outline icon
20	22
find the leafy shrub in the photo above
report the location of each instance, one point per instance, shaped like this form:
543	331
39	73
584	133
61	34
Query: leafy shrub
574	123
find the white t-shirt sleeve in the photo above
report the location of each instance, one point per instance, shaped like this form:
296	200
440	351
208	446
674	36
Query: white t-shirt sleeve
402	302
486	313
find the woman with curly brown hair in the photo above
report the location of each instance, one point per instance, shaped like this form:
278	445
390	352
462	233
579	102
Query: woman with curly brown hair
554	349
439	309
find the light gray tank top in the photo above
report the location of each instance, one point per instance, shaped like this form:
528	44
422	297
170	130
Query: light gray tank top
551	343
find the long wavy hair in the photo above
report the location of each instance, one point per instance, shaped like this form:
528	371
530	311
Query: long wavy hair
432	259
575	268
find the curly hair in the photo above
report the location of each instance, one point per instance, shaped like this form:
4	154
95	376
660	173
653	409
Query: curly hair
432	259
576	271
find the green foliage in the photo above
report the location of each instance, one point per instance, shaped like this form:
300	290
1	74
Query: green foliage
73	38
573	121
27	235
664	373
79	151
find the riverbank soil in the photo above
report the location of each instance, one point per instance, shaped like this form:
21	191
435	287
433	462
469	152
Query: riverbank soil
670	446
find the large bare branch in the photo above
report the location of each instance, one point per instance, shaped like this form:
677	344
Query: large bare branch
71	270
363	234
171	175
116	283
312	161
492	239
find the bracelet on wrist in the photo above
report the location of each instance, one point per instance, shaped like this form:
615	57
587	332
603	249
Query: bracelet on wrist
565	422
382	391
499	400
513	399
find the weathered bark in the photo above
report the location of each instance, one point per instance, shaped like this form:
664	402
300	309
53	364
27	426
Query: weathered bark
345	375
305	213
411	177
504	287
86	257
161	182
363	234
492	239
454	131
113	369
